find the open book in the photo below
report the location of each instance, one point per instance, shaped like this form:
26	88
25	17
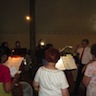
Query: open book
14	63
66	63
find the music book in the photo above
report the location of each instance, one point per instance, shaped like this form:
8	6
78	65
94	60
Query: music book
66	63
14	63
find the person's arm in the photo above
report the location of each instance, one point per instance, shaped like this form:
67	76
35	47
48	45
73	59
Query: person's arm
7	87
36	86
89	71
36	80
65	92
84	68
6	80
64	84
86	80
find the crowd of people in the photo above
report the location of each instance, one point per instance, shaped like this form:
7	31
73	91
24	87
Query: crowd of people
6	82
85	75
9	85
48	80
84	55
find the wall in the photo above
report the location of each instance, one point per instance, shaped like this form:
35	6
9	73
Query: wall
12	38
61	22
65	22
61	40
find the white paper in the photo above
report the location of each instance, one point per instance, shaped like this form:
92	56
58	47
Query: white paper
13	71
14	63
66	63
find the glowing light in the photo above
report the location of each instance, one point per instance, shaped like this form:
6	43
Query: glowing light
42	43
13	51
27	17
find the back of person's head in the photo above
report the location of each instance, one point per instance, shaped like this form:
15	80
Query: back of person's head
93	50
52	55
49	45
4	51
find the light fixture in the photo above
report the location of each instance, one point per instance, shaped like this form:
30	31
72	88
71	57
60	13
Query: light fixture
42	43
28	18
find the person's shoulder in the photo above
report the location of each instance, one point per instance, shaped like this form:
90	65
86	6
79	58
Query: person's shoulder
40	68
59	71
4	67
92	64
80	48
88	47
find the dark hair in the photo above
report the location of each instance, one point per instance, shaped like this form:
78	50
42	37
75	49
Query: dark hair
49	45
17	42
4	50
3	43
93	49
52	55
85	40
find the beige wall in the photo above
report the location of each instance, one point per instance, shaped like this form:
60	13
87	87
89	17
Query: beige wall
58	40
61	40
60	22
65	22
12	38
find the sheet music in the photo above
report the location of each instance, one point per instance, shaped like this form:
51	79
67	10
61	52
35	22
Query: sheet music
66	63
14	63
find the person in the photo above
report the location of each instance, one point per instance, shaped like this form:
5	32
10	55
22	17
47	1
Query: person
4	44
89	79
6	84
48	45
49	81
85	56
40	50
17	45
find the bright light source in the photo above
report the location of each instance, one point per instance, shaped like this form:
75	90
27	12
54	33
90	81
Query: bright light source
42	43
27	17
